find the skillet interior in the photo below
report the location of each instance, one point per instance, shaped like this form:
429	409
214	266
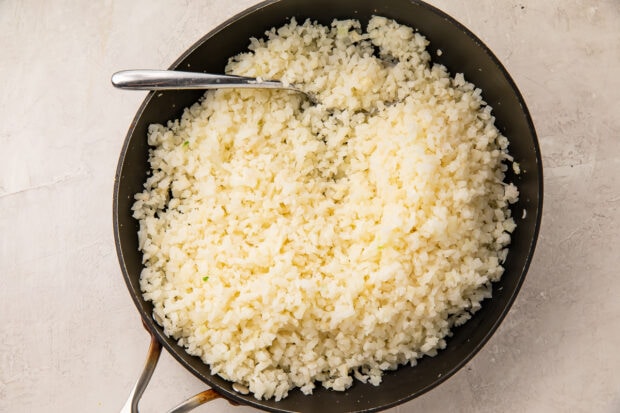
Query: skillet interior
462	52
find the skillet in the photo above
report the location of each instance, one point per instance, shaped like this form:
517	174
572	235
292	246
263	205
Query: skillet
462	52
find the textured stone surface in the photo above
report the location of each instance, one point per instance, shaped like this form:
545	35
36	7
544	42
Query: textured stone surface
71	339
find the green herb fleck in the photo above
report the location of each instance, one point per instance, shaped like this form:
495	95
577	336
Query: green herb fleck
206	278
186	144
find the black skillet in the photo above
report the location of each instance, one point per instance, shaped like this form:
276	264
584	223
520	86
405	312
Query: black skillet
461	52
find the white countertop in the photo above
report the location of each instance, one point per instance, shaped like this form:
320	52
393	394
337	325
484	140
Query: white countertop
71	337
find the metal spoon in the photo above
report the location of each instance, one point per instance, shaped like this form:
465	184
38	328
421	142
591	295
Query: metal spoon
174	80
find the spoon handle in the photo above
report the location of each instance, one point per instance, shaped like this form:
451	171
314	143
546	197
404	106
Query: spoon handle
172	79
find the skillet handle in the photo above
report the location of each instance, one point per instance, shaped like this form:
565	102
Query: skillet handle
131	406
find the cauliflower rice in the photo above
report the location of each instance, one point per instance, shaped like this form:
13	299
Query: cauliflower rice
289	244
